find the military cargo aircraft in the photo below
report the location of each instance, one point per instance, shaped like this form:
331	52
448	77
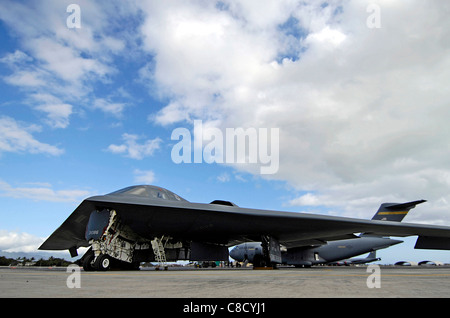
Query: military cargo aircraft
149	223
335	252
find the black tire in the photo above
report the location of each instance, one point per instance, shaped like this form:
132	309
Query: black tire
102	263
88	263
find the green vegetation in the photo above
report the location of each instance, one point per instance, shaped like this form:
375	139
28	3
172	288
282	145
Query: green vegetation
23	261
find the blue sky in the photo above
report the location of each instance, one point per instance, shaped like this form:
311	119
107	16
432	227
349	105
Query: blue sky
362	112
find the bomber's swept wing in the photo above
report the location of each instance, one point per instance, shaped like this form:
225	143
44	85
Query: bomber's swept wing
151	212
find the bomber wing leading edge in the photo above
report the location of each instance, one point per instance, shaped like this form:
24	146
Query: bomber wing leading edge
140	222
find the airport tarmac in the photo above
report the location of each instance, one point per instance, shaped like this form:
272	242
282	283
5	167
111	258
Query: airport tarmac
329	282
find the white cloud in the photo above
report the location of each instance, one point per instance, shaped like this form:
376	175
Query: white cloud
24	73
66	63
352	103
58	113
144	176
307	199
106	106
224	177
22	242
41	192
362	112
132	149
26	78
15	58
172	113
16	137
19	242
326	37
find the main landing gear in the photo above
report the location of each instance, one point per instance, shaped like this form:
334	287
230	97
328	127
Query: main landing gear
271	254
104	262
90	263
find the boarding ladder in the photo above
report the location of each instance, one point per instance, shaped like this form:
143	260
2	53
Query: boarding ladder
158	250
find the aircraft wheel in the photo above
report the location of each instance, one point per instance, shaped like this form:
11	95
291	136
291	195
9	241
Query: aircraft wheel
102	263
88	263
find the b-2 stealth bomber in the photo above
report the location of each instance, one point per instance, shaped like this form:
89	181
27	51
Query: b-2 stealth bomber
149	223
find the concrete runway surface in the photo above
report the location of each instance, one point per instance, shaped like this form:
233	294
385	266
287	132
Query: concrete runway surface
316	282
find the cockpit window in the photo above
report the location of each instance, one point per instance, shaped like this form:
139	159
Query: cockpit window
148	191
158	194
138	191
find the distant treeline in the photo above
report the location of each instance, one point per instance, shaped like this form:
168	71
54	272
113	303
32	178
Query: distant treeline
52	261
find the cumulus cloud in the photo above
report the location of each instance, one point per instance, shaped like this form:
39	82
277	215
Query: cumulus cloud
22	242
41	192
11	241
58	61
115	109
132	149
18	57
144	176
361	111
58	113
17	137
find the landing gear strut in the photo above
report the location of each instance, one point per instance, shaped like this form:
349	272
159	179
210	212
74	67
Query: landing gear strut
113	244
271	254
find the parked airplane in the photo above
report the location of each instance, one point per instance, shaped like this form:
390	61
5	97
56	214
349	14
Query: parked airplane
335	252
372	257
148	223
